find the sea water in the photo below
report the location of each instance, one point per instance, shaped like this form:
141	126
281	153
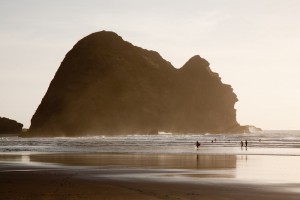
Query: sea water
260	143
271	156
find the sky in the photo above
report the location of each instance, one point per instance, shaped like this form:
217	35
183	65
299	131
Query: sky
253	45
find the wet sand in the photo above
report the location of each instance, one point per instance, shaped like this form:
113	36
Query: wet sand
144	176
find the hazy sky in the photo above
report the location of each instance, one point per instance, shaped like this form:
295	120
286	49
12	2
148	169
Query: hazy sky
254	45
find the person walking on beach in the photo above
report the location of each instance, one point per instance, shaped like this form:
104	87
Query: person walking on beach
246	143
197	144
242	143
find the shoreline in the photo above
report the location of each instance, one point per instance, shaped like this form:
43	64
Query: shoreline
139	176
65	183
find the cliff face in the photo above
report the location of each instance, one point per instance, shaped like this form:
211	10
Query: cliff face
106	85
9	126
205	103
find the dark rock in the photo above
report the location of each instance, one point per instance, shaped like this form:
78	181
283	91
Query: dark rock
8	126
106	85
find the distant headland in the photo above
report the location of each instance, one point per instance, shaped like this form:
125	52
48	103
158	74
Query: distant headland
107	86
9	126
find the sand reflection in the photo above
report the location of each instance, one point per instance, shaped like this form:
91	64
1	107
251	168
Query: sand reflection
273	169
19	158
168	161
245	168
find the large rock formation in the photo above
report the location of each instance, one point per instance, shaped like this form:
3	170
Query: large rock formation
8	126
106	85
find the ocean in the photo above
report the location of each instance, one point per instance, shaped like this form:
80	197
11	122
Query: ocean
260	143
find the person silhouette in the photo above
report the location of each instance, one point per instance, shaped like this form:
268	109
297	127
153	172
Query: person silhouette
242	143
246	143
197	144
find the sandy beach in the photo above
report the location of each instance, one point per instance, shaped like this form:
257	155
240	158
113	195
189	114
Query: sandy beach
146	176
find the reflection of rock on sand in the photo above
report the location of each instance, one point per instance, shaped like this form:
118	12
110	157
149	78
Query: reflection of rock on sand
216	161
176	161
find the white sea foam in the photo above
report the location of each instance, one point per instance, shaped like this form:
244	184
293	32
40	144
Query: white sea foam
272	142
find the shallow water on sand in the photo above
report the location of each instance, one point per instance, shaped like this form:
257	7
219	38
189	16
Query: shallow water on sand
256	169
